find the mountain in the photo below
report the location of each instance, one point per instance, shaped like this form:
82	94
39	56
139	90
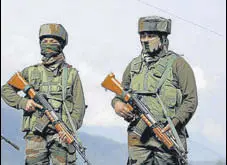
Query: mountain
101	150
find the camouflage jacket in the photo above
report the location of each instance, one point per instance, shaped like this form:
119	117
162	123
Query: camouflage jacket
34	75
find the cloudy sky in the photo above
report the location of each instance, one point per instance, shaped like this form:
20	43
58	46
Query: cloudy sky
103	38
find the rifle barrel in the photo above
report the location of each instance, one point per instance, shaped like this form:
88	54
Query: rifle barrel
9	142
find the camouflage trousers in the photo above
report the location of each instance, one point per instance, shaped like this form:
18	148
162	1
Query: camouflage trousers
41	149
148	151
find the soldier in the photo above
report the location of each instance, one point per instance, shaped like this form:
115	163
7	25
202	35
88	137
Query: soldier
176	87
47	78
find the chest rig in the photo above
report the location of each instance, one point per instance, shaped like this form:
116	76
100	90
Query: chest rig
55	90
46	83
155	78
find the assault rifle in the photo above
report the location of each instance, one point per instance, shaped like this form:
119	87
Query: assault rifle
18	82
11	143
135	105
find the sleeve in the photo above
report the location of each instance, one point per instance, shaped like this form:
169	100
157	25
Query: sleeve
78	102
126	80
10	96
183	72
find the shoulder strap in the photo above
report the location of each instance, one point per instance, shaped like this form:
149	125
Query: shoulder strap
64	85
64	81
165	74
65	76
173	129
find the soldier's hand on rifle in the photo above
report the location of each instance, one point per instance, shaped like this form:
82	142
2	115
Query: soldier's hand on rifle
31	105
122	110
62	136
167	127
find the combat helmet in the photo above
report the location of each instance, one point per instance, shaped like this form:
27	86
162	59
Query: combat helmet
54	30
154	24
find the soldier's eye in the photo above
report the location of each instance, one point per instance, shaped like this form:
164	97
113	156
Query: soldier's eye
149	36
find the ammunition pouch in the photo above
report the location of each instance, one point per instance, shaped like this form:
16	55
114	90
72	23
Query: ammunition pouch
138	127
41	123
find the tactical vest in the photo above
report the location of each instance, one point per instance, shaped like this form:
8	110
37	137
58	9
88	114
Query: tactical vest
145	80
46	83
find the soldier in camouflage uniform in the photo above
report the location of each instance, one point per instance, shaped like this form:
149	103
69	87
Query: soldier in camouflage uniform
47	78
178	93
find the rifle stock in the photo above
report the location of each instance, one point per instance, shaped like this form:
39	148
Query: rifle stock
111	83
18	82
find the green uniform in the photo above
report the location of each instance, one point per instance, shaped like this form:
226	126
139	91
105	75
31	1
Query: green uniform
40	145
179	95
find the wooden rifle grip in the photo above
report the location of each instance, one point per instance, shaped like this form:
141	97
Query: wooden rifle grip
146	120
17	81
60	127
69	138
158	132
163	137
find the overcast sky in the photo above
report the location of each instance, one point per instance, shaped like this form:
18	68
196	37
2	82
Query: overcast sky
103	38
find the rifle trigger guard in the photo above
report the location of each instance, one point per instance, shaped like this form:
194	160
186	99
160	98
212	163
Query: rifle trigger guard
27	88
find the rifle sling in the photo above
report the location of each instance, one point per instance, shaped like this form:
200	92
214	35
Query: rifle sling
161	82
64	85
